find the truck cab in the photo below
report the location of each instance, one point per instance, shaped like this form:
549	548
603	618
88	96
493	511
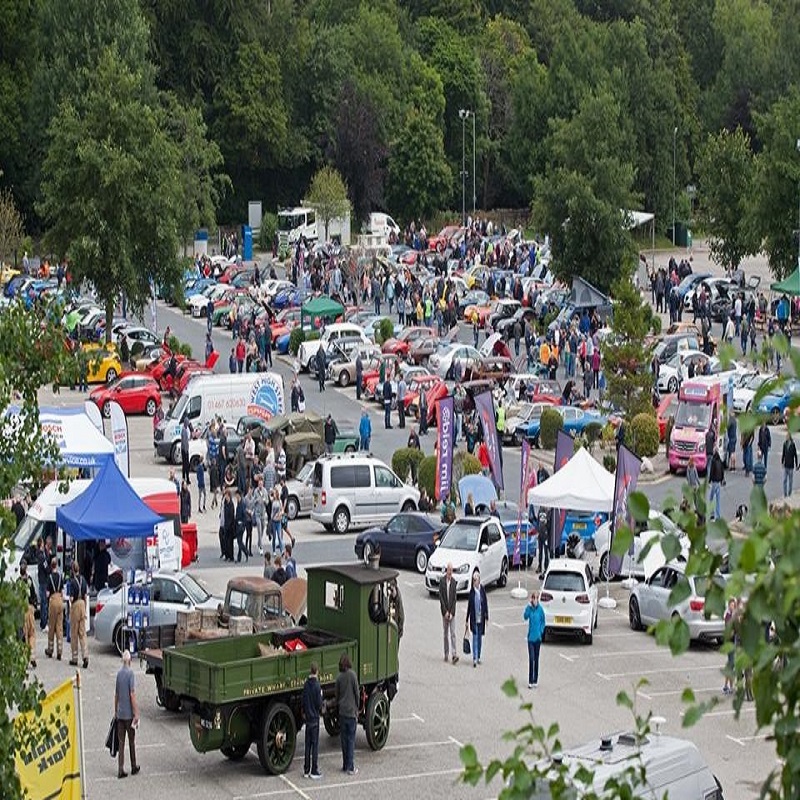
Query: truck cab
698	413
265	602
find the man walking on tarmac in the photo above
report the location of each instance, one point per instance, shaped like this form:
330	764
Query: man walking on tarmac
55	618
78	593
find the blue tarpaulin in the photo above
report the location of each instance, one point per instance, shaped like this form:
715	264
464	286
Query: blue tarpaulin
108	509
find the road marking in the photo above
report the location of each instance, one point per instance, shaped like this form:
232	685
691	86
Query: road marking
170	774
728	712
509	625
455	741
571	659
417	716
138	747
409	746
625	653
322	786
412	718
610	675
673	692
295	787
742	740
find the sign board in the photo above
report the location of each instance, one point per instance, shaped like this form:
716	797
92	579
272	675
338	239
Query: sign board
254	215
169	552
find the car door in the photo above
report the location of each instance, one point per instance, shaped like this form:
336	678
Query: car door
173	600
649	594
493	558
391	539
386	493
571	416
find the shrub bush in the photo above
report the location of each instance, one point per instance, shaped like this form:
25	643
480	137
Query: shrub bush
178	347
296	338
609	435
464	463
426	476
610	462
641	436
592	433
269	227
385	331
551	423
406	461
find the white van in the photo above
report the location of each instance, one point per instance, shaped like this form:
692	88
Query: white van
355	489
258	394
673	767
380	224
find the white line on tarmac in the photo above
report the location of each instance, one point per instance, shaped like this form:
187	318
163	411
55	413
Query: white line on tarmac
322	786
138	747
742	740
455	741
170	774
409	746
509	625
412	718
294	787
417	716
728	712
571	659
608	676
672	692
625	653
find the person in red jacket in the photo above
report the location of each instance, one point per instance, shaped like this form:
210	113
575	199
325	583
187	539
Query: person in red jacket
483	457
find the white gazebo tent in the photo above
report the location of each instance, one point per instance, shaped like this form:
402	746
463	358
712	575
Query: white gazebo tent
636	219
580	485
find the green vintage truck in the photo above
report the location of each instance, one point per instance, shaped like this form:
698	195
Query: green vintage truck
247	689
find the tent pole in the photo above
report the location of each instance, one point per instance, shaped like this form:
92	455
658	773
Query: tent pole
79	712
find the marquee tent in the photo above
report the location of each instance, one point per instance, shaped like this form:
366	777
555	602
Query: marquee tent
789	285
80	443
322	307
109	509
580	485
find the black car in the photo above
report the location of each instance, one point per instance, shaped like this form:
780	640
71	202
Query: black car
523	314
406	540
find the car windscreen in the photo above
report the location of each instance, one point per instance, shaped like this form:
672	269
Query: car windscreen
460	536
196	592
561	581
29	530
179	408
693	415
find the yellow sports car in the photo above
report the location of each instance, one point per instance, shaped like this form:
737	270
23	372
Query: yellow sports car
103	364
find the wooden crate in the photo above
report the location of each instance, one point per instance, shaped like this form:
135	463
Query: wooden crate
240	626
180	637
209	618
189	620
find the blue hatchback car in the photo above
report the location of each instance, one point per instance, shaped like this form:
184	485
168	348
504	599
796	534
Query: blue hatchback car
776	403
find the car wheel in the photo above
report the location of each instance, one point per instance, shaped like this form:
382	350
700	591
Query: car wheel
672	385
121	639
150	407
344	378
175	453
111	375
369	551
503	579
586	637
408	506
193	462
634	617
107	409
421	561
603	573
341	520
776	416
292	507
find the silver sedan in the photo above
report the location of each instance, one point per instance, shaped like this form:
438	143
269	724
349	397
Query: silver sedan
168	593
649	603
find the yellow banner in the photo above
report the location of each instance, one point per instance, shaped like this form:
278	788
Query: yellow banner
49	768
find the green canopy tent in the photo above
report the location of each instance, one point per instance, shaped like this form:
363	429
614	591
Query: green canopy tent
790	285
322	308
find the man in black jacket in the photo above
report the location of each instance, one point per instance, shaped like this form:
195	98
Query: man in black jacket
320	366
329	434
312	706
387	403
789	464
716	477
764	441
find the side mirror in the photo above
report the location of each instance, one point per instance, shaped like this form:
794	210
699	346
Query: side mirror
187	602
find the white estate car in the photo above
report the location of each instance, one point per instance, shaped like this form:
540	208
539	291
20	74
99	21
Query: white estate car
569	598
468	544
197	304
744	392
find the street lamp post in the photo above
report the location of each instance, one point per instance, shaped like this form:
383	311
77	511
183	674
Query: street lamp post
674	152
463	114
798	213
474	195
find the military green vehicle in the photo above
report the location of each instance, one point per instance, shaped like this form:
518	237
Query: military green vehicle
248	689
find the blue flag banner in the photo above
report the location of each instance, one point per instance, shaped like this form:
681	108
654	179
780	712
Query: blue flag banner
484	405
444	450
628	467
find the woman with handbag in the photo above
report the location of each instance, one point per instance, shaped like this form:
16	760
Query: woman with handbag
477	616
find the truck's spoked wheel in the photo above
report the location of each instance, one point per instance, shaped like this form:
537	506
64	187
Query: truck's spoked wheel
378	716
278	739
331	723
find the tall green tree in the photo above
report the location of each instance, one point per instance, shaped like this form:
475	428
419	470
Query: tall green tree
419	176
775	207
113	187
725	172
31	355
328	196
625	359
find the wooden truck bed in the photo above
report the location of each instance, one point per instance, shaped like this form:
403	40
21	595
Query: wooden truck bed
248	667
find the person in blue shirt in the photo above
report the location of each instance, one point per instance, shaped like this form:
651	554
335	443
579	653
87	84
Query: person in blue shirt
477	616
534	616
365	430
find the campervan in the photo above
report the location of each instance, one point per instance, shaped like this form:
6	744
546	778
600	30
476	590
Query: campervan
303	222
698	415
256	394
380	224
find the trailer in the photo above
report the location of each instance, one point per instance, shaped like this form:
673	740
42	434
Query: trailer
248	690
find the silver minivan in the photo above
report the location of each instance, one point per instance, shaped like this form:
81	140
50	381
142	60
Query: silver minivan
357	490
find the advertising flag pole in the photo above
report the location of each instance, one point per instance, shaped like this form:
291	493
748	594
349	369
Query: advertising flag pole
79	711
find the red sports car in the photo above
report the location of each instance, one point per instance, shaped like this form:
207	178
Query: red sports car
435	389
408	337
136	393
666	409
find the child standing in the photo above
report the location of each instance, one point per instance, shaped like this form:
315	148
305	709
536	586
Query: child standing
201	487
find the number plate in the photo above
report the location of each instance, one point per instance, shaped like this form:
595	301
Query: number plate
563	620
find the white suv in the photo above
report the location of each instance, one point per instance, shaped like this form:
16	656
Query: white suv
469	544
308	350
569	598
358	490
